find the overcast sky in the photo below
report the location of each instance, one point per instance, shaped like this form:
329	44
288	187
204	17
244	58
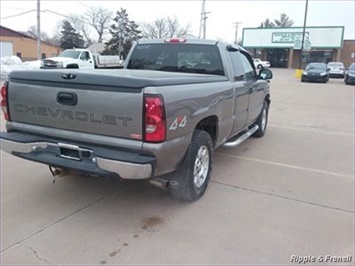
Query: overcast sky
219	22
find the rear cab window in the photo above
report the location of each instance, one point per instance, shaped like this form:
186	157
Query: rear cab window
188	58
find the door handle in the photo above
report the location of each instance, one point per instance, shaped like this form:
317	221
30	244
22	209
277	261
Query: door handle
67	98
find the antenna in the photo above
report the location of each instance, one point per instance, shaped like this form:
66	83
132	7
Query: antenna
203	20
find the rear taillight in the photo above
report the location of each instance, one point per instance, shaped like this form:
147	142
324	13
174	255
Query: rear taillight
154	118
4	102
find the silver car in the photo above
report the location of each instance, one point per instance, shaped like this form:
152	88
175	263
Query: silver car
336	69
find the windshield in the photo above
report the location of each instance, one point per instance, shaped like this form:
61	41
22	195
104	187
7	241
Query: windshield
335	65
70	53
188	58
352	67
318	66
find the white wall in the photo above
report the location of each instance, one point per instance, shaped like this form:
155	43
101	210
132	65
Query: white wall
6	49
320	37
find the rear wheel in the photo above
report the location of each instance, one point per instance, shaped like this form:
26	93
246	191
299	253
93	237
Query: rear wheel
260	66
191	179
262	121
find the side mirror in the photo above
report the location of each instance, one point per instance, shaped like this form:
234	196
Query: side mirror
265	74
328	69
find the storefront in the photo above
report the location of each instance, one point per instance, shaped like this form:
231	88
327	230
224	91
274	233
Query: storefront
282	46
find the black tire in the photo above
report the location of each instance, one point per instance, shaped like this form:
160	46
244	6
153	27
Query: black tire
188	186
72	66
264	114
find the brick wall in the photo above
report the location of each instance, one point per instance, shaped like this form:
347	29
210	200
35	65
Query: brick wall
347	51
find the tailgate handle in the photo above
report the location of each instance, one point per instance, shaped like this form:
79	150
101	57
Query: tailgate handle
67	98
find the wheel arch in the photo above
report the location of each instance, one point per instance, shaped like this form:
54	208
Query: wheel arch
72	66
210	125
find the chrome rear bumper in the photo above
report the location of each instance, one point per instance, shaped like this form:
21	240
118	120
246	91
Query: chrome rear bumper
77	158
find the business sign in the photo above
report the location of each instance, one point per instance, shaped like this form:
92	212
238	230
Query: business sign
321	37
287	37
297	44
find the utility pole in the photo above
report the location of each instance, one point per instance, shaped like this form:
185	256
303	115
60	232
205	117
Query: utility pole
203	20
39	56
236	24
303	33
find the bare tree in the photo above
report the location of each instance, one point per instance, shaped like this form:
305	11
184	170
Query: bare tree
32	32
100	19
79	23
165	28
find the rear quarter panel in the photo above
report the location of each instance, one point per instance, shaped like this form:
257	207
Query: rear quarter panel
194	103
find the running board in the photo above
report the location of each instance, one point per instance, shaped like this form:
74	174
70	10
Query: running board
243	137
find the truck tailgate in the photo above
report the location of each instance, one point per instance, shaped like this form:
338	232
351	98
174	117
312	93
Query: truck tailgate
77	101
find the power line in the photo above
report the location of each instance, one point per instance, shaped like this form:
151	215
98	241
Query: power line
19	14
13	8
58	14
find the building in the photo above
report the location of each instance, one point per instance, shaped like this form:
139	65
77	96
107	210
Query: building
282	46
23	46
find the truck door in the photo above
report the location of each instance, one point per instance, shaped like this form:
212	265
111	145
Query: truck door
241	93
254	86
86	62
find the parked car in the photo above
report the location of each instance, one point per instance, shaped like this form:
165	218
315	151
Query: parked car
159	118
258	63
336	69
349	76
316	72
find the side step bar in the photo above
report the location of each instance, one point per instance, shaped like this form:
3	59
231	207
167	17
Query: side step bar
243	137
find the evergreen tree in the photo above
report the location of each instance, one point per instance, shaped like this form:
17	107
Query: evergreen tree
267	24
70	38
284	21
124	32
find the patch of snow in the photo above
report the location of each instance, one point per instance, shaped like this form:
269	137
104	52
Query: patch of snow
10	60
11	63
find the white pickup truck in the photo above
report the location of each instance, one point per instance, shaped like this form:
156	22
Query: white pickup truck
83	59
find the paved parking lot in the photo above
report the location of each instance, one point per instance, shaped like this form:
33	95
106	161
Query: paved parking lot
288	194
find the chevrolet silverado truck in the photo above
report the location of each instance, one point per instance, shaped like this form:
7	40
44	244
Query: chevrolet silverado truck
160	118
82	59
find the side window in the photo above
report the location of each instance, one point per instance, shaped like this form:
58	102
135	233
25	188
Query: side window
84	56
237	66
248	67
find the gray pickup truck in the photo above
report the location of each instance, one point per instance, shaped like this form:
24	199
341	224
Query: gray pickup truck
160	118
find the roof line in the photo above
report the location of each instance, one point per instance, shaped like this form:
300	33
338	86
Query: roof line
26	36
